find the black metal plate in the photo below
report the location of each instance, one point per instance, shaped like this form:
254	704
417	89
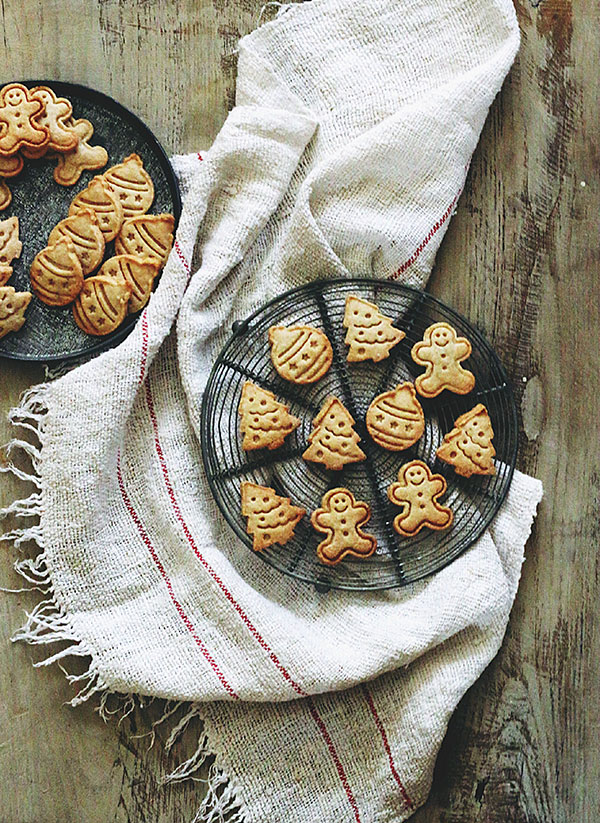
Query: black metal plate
398	561
39	202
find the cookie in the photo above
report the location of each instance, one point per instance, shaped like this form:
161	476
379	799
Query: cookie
271	518
138	272
333	441
149	235
417	491
10	245
442	352
11	165
83	231
54	116
132	184
101	306
70	165
300	354
5	274
468	447
104	203
340	518
56	274
12	309
5	195
370	333
17	120
265	422
395	418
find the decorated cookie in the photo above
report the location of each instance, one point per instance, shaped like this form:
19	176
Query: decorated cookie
54	116
300	354
56	273
132	184
417	491
468	447
70	165
340	518
101	305
5	274
395	418
370	333
442	352
104	203
12	309
5	195
265	422
17	120
11	165
83	230
10	245
138	272
271	518
333	441
149	235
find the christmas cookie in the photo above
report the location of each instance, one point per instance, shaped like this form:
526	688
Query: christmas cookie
395	418
468	447
56	273
271	518
442	352
104	203
101	305
265	422
83	231
17	120
11	165
149	235
70	165
10	245
138	272
54	114
5	195
417	491
340	518
333	441
12	309
132	184
370	333
300	354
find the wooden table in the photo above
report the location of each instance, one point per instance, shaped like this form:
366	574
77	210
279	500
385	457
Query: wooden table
521	261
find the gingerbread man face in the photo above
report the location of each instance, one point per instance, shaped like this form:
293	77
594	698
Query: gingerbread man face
415	474
417	491
441	351
14	96
442	336
340	502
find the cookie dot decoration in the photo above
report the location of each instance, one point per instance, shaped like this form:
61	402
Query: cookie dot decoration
418	491
468	447
300	354
341	517
265	422
395	418
370	334
333	441
441	351
271	518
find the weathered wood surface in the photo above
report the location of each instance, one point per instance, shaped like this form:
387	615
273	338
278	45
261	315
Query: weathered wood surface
523	745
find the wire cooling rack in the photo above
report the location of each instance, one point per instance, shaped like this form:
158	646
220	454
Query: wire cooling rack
397	561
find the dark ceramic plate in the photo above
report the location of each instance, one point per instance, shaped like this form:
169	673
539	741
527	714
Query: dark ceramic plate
50	333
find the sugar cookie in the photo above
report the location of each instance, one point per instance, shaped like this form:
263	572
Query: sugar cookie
101	306
395	418
83	231
132	184
370	333
265	421
442	352
468	447
417	491
271	518
340	518
103	201
333	441
149	235
56	273
300	354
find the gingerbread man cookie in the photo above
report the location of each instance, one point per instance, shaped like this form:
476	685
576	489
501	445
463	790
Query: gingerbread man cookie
442	352
417	491
340	518
17	120
11	165
71	164
54	116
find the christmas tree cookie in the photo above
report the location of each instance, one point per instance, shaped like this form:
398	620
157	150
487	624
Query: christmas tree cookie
370	333
468	447
340	518
441	351
395	418
271	518
417	491
265	422
300	354
333	441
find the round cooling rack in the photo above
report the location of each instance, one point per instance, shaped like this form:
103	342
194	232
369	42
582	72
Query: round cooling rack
397	561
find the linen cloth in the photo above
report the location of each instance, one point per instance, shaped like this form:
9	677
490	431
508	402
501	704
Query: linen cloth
345	155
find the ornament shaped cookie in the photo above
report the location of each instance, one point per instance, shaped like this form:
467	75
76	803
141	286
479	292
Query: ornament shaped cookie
271	518
12	309
56	274
83	231
370	333
138	272
442	352
150	235
104	203
101	306
70	165
17	120
132	185
418	491
11	165
54	115
10	245
5	195
395	418
468	447
341	518
300	354
265	422
333	441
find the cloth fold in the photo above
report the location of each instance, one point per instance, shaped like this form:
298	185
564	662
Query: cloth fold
345	154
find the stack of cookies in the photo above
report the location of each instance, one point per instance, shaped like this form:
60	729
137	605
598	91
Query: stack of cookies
394	420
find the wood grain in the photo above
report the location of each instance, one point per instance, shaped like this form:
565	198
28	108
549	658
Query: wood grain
521	260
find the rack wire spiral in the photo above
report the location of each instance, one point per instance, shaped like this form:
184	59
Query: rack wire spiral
397	561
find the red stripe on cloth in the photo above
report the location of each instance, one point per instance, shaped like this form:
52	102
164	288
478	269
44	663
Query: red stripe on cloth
199	156
242	614
144	356
181	256
162	571
386	745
